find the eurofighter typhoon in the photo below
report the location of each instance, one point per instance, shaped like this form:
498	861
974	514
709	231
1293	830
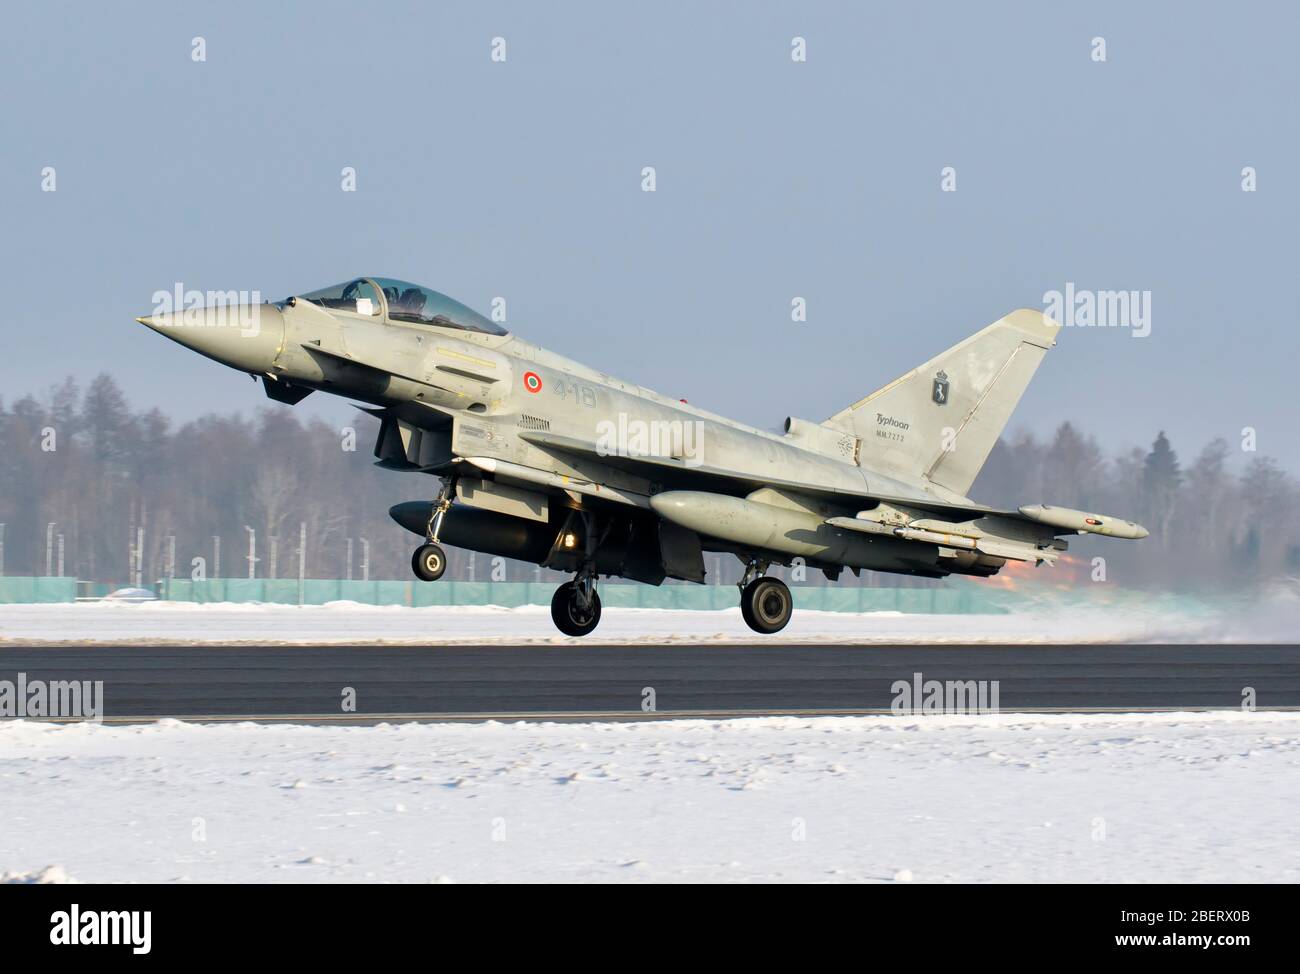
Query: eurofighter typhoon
546	460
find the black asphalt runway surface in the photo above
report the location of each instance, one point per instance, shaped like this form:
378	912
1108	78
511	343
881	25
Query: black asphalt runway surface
619	682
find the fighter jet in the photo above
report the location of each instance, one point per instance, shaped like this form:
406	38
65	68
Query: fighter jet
546	460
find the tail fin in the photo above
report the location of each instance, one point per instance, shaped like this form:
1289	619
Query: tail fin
940	421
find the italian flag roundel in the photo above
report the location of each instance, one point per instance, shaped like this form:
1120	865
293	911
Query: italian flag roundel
532	382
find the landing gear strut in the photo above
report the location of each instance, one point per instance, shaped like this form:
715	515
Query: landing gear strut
429	560
575	607
765	603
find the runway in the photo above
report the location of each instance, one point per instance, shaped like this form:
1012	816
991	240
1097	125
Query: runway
318	684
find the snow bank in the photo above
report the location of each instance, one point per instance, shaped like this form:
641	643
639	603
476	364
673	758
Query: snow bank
49	876
1178	797
353	623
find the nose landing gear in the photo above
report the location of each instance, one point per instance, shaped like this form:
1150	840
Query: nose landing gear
429	560
765	603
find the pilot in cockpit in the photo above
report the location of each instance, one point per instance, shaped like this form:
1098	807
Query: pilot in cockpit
411	302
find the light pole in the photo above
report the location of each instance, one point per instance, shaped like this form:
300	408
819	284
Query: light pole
252	551
365	560
302	561
49	548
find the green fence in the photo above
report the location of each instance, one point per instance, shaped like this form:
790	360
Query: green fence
957	598
51	589
964	599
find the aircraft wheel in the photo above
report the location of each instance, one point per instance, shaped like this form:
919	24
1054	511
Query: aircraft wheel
428	562
570	618
766	605
745	613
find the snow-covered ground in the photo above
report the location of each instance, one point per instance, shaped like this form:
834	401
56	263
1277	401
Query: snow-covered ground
1176	797
353	623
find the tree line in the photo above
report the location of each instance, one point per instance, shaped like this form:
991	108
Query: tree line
125	488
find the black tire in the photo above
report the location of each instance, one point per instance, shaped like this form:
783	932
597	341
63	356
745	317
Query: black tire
428	562
566	615
766	605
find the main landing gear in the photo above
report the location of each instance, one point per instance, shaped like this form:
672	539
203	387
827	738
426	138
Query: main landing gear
765	602
429	560
575	607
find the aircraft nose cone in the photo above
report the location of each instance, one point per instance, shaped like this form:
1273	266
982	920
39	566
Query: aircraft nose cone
244	336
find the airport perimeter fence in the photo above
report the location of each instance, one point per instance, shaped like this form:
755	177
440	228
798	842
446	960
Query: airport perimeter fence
44	589
317	591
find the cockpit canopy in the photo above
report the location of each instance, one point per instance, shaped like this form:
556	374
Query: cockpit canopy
401	301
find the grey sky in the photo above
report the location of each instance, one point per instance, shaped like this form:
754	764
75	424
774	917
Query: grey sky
775	180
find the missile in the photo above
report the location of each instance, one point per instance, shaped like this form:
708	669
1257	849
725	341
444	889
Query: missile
999	549
1083	522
